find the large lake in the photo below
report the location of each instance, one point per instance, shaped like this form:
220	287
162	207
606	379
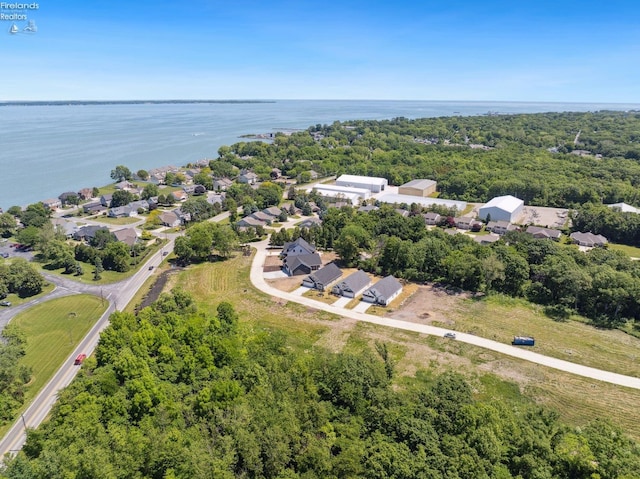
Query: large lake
47	150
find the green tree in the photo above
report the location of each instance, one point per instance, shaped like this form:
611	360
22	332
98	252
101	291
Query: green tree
116	257
97	268
28	236
122	198
24	280
121	173
143	175
149	191
8	225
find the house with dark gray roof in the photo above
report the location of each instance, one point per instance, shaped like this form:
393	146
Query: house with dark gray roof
299	246
310	222
87	232
352	285
323	278
383	292
544	233
250	222
301	264
588	239
272	211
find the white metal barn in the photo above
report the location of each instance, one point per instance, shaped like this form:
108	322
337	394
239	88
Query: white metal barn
371	183
337	191
502	208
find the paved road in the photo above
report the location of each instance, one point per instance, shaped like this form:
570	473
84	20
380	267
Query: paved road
118	295
258	281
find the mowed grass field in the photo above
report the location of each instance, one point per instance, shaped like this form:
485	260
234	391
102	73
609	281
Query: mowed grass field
53	329
501	318
418	357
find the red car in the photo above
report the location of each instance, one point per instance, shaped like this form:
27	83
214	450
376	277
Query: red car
79	359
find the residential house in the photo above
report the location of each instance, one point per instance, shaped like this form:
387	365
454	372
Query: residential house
367	208
352	285
221	184
130	210
179	195
311	222
213	199
544	233
127	236
68	228
275	173
466	223
170	219
250	222
500	227
94	207
313	175
52	203
124	185
87	232
323	278
85	194
64	197
486	239
383	292
248	177
105	200
588	239
301	264
431	218
401	212
272	211
299	246
261	216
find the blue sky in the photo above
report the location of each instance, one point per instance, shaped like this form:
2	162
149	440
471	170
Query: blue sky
560	50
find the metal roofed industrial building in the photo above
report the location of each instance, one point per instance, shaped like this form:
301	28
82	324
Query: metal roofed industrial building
393	198
371	183
502	208
420	187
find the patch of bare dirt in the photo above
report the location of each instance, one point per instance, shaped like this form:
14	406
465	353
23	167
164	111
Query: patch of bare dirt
288	284
431	303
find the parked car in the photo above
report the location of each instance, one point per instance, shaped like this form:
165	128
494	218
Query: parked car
450	335
5	303
79	359
150	268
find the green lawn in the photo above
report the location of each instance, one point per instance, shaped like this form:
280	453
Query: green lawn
16	300
53	329
118	221
630	250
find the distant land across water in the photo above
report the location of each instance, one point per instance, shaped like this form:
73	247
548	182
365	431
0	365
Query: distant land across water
52	147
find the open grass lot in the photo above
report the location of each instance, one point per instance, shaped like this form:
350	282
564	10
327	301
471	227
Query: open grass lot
212	283
53	329
501	318
418	357
630	250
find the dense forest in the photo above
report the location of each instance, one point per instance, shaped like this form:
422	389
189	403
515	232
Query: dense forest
178	393
552	159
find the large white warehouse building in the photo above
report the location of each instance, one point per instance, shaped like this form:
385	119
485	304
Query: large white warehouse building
343	192
371	183
502	208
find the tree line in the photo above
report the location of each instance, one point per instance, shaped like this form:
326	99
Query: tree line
176	392
602	284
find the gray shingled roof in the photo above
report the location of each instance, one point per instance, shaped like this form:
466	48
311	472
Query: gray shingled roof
354	282
326	275
386	287
309	260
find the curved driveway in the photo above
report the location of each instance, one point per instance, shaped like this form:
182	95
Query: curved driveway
258	281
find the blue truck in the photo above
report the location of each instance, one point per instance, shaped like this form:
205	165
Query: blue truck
523	341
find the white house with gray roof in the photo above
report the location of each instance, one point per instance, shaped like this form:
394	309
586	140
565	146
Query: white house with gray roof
352	285
323	278
383	292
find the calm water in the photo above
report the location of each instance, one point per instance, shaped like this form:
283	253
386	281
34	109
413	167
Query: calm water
47	150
